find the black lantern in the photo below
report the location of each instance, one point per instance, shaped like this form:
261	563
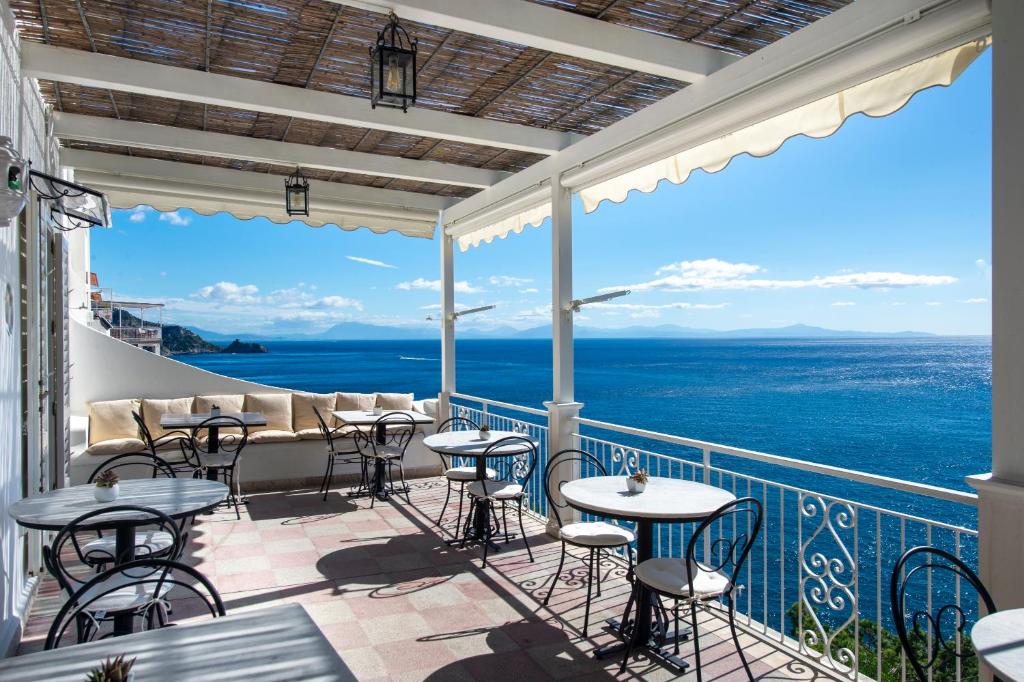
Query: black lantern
393	67
296	194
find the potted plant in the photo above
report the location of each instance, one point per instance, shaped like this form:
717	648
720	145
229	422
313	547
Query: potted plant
636	482
113	670
485	432
215	410
107	489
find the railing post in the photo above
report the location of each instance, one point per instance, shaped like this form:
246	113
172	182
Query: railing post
447	325
562	431
706	459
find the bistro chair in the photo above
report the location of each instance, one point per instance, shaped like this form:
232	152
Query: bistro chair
509	485
223	464
67	556
458	474
336	454
938	635
140	587
597	537
169	441
100	551
387	450
696	583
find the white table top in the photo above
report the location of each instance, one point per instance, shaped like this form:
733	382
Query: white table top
175	497
999	640
469	443
664	499
368	418
187	421
276	644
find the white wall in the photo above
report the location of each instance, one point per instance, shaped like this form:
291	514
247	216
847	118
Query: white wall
22	118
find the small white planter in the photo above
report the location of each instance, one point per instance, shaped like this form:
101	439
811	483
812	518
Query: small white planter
484	435
634	486
103	494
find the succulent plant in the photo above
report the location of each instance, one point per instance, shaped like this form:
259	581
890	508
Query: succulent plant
485	428
106	479
112	670
640	476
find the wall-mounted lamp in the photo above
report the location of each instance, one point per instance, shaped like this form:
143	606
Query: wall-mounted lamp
14	188
576	304
468	311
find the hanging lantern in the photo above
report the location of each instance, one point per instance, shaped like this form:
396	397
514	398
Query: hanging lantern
14	190
393	67
296	194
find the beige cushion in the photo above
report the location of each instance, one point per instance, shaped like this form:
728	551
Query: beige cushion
394	401
227	403
117	446
303	416
669	576
152	410
276	407
272	436
597	534
112	419
354	401
310	434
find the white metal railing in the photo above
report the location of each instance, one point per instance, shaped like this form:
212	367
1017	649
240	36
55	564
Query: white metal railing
817	579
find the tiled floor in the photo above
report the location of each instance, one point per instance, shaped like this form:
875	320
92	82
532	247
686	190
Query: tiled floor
399	604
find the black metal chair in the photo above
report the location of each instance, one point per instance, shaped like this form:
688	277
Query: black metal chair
140	587
696	583
384	449
218	461
335	453
100	551
597	537
510	483
170	441
937	638
69	558
461	474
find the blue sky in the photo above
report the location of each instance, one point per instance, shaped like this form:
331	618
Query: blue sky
884	226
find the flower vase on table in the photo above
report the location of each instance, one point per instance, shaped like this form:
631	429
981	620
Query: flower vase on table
485	432
637	482
106	489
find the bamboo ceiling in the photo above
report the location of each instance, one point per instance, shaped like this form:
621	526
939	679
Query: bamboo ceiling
323	46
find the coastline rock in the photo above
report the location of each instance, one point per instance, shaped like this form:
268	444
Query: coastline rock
237	346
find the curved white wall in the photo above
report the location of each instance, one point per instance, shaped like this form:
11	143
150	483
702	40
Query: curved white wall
103	368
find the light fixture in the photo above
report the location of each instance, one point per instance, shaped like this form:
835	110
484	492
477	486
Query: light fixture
296	194
14	191
468	311
393	67
71	206
576	304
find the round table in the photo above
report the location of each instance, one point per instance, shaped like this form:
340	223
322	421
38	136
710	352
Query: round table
470	444
999	640
664	500
176	497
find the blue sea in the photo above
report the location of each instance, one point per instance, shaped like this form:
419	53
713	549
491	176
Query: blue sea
912	409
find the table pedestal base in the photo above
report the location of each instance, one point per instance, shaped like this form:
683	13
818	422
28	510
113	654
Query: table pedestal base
658	646
478	528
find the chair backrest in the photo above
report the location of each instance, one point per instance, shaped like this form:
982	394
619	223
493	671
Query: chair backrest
398	427
937	637
137	461
144	431
231	442
726	554
589	465
325	430
454	424
152	577
515	468
71	541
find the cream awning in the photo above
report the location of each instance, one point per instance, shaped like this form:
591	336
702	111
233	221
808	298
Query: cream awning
877	97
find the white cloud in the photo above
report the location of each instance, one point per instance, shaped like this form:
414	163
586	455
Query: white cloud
843	304
975	301
229	292
437	306
529	290
370	261
644	311
714	274
138	214
340	302
461	287
175	218
541	312
248	296
507	281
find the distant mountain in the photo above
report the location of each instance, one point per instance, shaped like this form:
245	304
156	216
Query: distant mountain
180	340
357	331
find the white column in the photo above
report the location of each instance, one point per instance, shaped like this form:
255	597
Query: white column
563	407
447	326
1001	494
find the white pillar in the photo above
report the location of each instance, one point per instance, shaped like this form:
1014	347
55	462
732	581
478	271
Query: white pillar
563	407
447	326
1001	494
